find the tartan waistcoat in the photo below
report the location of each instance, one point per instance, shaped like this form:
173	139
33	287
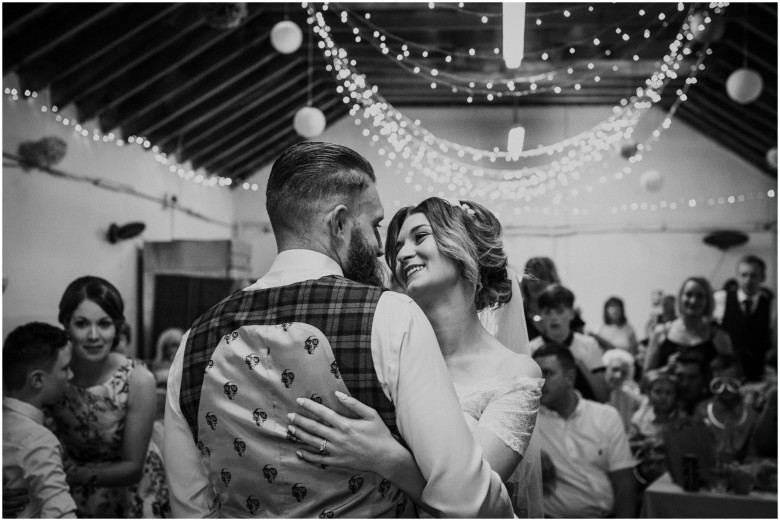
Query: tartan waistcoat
246	361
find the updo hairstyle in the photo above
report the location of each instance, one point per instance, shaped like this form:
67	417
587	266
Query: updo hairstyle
99	291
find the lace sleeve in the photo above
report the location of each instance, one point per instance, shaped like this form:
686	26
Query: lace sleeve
511	413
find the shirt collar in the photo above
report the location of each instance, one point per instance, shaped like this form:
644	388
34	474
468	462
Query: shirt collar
23	408
297	265
577	408
742	296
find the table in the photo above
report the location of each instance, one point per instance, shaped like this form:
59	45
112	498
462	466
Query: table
665	499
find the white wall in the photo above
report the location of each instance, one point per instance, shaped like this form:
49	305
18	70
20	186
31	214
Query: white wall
628	253
54	228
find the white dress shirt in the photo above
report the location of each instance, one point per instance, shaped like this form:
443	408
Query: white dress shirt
32	460
413	375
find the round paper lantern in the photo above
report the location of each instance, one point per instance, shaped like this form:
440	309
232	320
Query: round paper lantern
629	148
707	32
744	85
652	180
771	158
309	122
286	37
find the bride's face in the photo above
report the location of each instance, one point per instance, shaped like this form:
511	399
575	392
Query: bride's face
420	267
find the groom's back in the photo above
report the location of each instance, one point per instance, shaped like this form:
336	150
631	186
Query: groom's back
246	361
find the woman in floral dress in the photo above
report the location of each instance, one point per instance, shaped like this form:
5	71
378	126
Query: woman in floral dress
104	420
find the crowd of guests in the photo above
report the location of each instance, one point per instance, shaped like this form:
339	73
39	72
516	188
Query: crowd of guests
616	412
600	411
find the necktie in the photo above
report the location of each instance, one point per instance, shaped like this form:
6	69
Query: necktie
747	306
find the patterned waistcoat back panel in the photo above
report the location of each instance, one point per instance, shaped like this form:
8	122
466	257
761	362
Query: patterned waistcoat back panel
246	361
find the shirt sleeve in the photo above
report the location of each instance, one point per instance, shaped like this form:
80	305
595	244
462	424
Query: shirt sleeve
591	354
619	456
41	461
187	479
413	374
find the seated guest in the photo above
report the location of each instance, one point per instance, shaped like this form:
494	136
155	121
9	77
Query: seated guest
616	330
36	370
692	373
556	305
692	331
167	345
659	407
729	420
623	392
586	445
748	316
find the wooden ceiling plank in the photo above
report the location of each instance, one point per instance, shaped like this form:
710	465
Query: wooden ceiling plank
139	60
221	122
9	31
235	150
746	131
209	92
766	115
73	31
283	142
199	49
137	114
115	43
259	121
753	57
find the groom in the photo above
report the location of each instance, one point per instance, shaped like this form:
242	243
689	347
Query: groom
317	322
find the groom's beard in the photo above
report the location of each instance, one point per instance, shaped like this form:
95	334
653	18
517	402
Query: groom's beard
362	262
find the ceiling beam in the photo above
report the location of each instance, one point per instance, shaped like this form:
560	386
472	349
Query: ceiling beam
237	151
137	118
221	114
188	52
217	136
207	92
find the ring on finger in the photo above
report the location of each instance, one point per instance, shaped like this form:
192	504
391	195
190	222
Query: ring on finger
322	445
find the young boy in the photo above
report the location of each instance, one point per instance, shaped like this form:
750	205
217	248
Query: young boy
36	369
556	306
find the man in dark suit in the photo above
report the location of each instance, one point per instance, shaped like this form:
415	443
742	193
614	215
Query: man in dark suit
747	315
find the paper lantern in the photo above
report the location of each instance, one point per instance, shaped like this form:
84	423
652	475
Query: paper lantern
652	180
771	158
744	85
286	37
309	122
707	32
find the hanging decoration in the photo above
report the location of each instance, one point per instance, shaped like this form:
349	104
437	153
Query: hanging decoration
628	149
744	85
771	158
286	37
412	148
513	33
228	15
42	154
309	121
652	180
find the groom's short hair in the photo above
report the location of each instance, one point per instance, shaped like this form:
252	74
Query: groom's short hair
308	174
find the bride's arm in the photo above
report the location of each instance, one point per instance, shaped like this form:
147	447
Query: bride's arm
363	443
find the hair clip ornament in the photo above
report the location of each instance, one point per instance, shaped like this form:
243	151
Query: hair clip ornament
463	206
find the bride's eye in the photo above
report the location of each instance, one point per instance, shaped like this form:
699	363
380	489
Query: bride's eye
419	237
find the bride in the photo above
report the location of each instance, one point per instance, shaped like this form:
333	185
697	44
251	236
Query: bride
449	257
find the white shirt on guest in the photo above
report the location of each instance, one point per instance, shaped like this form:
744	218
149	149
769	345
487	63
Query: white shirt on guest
585	448
32	460
428	415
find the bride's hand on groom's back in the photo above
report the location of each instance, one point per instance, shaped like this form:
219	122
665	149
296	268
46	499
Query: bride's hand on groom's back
363	443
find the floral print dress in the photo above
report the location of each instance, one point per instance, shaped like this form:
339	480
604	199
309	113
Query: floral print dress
90	423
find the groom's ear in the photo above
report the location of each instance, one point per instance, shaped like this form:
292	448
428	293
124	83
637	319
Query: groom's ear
337	223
